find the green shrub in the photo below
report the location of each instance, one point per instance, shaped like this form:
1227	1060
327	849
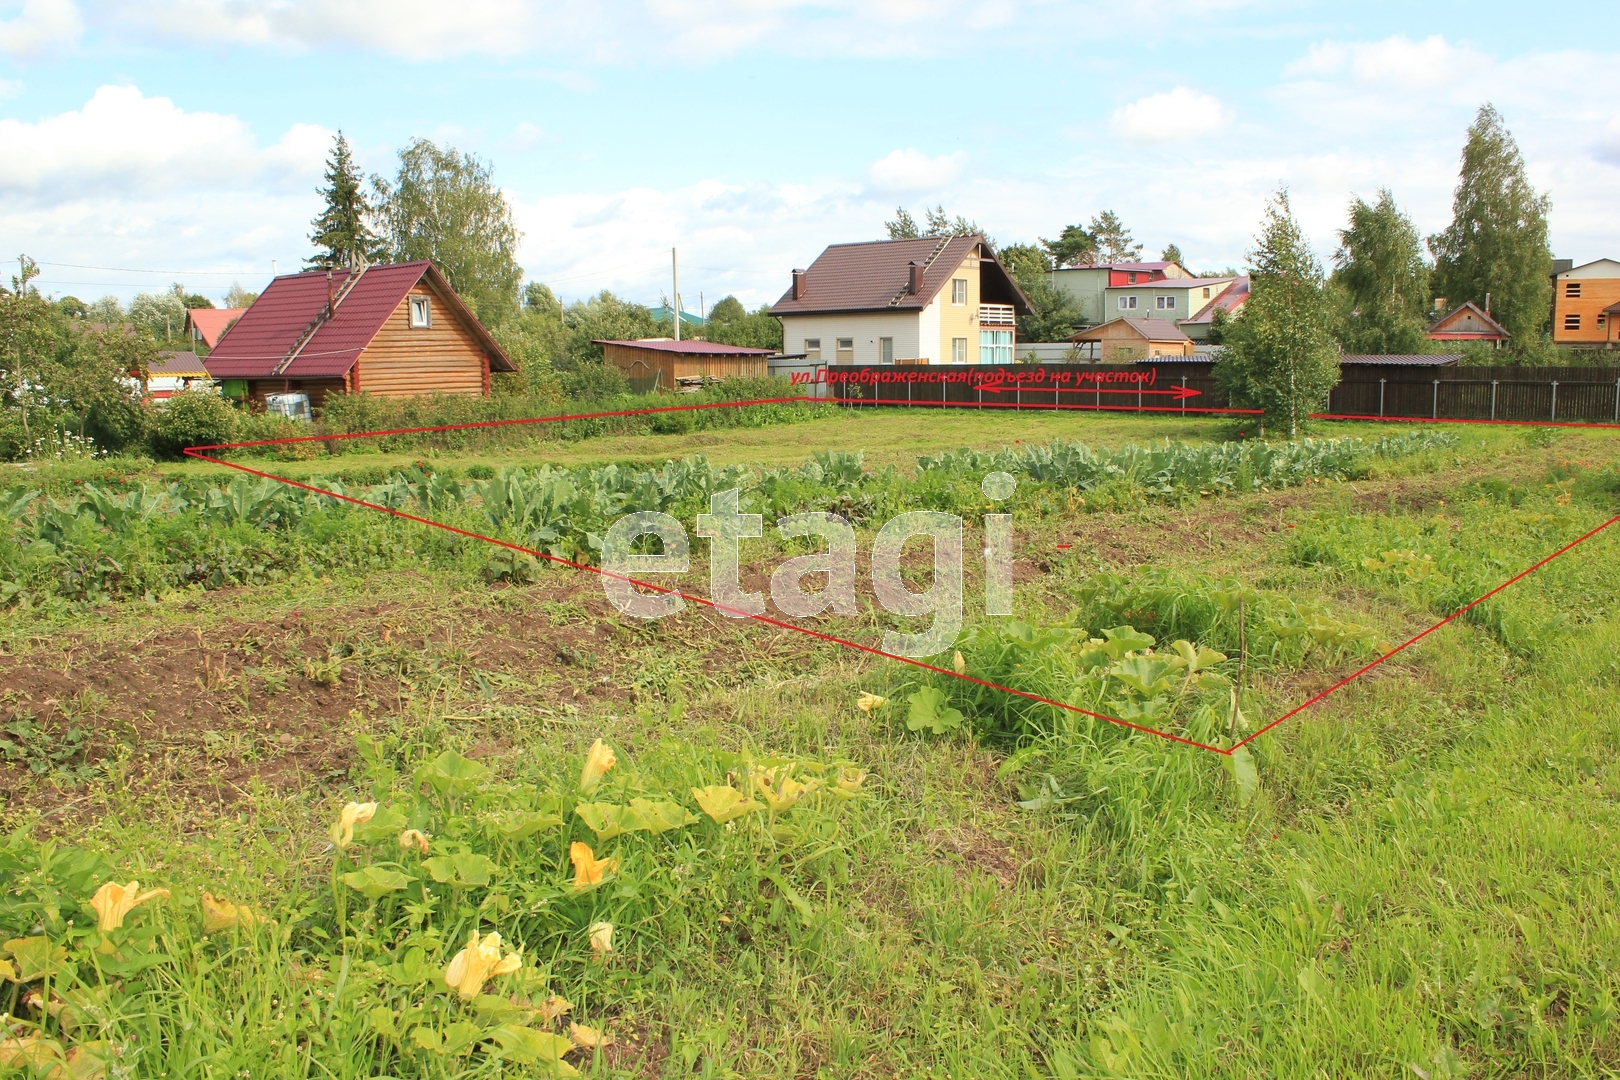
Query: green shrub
194	418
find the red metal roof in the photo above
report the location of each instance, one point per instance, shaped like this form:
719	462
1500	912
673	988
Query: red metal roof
211	323
265	334
703	348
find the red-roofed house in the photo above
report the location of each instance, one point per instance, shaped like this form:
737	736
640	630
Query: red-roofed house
208	325
394	330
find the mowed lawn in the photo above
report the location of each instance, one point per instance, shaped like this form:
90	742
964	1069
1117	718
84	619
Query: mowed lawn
1417	878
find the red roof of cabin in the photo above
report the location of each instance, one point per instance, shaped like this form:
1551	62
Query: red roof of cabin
211	323
268	331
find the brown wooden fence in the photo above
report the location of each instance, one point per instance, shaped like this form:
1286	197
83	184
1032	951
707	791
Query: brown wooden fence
1567	394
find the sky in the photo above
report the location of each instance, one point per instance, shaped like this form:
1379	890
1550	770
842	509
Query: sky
154	141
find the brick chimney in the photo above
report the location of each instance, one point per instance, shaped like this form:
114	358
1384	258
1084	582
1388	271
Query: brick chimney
800	285
915	283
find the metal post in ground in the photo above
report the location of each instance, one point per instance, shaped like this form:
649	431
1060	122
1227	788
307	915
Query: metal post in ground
1554	414
1184	395
1493	399
1380	397
1434	410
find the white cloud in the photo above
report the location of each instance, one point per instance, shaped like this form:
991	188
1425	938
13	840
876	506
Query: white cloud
136	181
912	170
1176	116
10	88
525	137
42	23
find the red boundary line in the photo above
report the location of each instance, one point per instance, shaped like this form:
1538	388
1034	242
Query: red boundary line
195	452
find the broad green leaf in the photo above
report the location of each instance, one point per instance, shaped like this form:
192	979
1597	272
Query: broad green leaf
607	820
35	958
427	1038
1144	675
386	824
382	1021
376	881
662	815
1240	764
451	774
1124	639
527	1045
461	1037
460	870
522	824
928	710
724	803
1197	658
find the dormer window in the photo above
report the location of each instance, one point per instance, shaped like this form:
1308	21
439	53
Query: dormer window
421	313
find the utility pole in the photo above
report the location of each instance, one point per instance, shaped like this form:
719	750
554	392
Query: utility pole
675	270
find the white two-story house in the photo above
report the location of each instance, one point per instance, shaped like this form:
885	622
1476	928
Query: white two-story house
933	300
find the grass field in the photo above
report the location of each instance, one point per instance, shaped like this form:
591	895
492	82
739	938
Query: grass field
1416	877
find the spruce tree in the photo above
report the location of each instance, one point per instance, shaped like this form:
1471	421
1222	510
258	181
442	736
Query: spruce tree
1383	280
340	229
1280	356
1497	240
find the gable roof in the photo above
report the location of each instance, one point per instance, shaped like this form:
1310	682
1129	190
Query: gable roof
874	276
211	323
178	365
1175	283
1468	310
689	347
269	331
1597	268
1148	329
1228	300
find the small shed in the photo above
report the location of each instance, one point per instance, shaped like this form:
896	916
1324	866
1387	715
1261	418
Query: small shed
1124	340
1415	360
666	364
173	373
1469	322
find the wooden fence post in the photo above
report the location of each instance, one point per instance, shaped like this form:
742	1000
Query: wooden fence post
1493	399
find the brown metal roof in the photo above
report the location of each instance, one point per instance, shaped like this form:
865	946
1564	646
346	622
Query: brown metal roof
874	276
690	347
1150	329
1401	359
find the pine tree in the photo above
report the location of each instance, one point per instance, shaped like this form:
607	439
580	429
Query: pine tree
1114	241
1172	253
340	229
1383	280
1497	240
1280	356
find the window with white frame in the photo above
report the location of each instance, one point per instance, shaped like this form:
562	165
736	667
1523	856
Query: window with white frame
812	348
885	350
959	290
958	350
1165	303
1127	303
421	313
1572	322
846	350
995	346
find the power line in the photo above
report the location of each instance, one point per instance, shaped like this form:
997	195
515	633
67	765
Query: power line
133	270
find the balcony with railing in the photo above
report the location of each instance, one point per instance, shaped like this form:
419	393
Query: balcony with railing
996	315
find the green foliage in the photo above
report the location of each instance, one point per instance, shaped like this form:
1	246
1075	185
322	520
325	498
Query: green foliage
1106	240
1497	240
28	342
341	231
604	317
445	206
732	324
238	297
1280	356
195	417
936	222
1382	280
1055	313
162	315
1172	253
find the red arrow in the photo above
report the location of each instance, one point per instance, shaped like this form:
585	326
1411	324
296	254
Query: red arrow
1177	394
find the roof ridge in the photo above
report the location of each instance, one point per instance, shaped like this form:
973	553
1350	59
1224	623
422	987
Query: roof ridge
322	317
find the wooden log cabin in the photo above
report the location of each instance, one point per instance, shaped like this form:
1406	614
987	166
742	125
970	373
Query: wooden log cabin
664	364
394	330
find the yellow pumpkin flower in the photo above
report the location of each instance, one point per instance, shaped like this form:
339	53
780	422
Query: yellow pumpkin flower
555	1007
114	901
478	963
353	814
869	701
783	796
587	1038
414	838
959	664
588	869
598	760
222	914
601	938
850	779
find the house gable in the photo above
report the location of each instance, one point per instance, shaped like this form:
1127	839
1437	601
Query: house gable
1597	268
1468	321
402	361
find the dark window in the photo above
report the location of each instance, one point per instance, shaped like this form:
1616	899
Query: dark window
1572	288
1572	322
